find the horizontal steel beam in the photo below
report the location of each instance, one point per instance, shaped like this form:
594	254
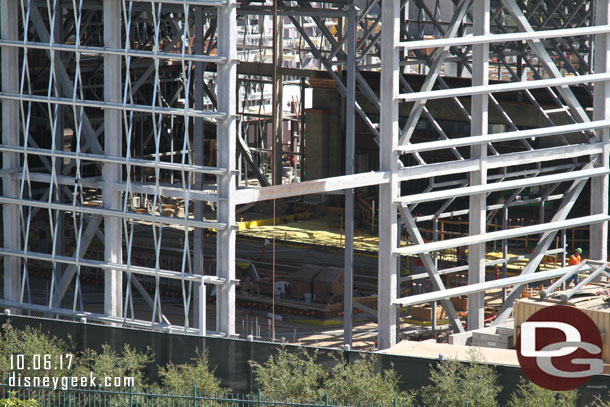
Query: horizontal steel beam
319	186
125	52
212	3
482	287
452	270
137	162
501	137
115	213
509	37
501	234
113	105
500	186
497	161
145	271
504	87
123	321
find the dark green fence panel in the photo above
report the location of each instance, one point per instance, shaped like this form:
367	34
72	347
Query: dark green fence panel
230	356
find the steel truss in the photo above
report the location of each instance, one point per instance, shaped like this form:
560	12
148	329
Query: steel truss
131	83
86	153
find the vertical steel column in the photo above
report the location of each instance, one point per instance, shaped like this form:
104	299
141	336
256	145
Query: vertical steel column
598	249
278	96
10	136
477	218
111	173
226	134
388	161
350	150
58	140
198	159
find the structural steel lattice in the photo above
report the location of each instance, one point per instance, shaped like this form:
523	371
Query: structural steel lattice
112	76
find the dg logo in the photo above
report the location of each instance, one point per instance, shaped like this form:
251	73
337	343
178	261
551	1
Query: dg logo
560	348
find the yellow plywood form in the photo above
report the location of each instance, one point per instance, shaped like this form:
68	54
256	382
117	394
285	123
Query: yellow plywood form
322	231
306	229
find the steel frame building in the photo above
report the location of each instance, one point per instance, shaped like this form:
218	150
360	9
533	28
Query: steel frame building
111	66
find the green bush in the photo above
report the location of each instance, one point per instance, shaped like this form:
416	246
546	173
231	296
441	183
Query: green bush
28	342
290	376
361	382
530	395
13	401
183	378
108	363
456	383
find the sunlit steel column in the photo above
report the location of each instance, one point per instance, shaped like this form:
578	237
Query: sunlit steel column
225	239
388	161
477	218
10	161
111	173
598	246
350	143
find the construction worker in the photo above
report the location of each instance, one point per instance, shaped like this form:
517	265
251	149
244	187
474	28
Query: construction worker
574	260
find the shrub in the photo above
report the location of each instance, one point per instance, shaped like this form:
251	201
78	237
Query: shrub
13	401
290	375
108	363
28	342
182	378
361	382
530	395
456	383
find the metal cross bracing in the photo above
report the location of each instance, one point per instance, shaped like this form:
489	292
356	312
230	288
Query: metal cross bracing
106	157
488	169
102	139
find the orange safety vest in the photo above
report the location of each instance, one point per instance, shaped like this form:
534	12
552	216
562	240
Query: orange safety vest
575	259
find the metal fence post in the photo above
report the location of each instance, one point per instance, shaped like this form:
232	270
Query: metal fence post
260	394
131	396
326	399
195	395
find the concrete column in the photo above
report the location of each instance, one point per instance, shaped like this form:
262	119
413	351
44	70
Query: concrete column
350	151
598	246
477	218
111	173
226	133
10	136
388	161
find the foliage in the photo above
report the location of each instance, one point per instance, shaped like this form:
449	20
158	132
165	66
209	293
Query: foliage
182	378
290	375
108	363
28	342
361	382
13	401
456	383
530	395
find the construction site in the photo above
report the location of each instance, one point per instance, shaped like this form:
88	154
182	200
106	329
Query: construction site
359	174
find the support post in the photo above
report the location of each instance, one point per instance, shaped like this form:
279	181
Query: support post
10	136
198	159
226	134
278	94
598	249
388	161
111	173
477	218
350	151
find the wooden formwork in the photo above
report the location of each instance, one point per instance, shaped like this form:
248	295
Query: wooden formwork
593	306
